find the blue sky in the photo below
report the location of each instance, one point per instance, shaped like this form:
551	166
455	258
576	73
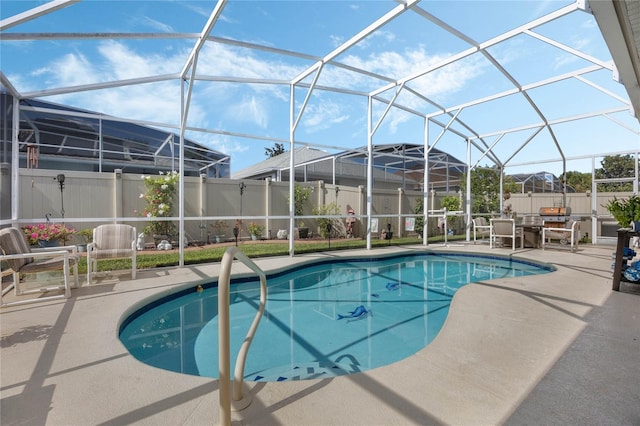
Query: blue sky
333	121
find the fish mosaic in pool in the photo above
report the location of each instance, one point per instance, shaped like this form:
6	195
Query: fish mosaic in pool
320	321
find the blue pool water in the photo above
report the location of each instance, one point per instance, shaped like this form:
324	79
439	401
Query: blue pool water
328	319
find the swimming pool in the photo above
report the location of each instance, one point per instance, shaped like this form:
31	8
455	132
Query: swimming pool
321	320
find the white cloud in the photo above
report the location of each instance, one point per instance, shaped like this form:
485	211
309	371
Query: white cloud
222	143
69	70
249	109
239	103
151	102
156	102
378	38
195	7
224	60
438	83
336	40
541	7
157	25
323	115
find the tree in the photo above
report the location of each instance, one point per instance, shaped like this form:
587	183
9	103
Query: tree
419	210
485	189
300	196
616	166
277	149
451	202
580	182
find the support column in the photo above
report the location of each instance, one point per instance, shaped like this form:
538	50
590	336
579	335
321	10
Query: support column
15	162
267	206
468	194
203	206
400	221
321	197
361	207
117	195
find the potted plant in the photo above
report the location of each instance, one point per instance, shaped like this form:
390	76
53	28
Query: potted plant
255	230
48	234
625	211
219	228
87	236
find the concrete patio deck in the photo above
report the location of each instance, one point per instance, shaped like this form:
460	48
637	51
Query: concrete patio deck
559	348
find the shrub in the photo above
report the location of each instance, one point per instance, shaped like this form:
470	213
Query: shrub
625	211
159	195
327	210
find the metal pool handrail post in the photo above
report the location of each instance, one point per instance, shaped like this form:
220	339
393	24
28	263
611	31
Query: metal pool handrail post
240	401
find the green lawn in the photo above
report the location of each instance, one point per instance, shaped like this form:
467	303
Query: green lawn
214	252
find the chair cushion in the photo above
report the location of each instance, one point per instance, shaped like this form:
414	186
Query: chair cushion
48	264
113	237
13	241
480	221
112	253
503	227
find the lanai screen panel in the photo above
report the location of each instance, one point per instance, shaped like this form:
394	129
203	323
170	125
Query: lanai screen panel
474	70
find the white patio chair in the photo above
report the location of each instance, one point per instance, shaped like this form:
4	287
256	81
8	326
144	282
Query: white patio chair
570	234
111	241
481	229
506	228
24	261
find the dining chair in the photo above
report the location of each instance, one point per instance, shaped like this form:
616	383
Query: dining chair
506	228
481	229
569	234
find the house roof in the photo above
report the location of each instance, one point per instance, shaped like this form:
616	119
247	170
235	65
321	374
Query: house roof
392	163
273	164
619	22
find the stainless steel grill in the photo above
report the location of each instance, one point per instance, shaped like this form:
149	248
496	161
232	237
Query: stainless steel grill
555	216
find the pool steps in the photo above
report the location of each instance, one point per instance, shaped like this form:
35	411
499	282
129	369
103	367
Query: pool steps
303	371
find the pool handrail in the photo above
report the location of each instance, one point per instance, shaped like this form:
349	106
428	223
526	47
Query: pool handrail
240	401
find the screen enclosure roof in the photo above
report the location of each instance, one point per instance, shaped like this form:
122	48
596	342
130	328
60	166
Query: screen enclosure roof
521	82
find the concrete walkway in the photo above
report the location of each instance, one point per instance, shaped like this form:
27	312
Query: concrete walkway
559	348
597	380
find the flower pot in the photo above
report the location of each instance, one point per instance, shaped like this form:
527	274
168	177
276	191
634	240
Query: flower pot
303	232
254	237
50	243
220	238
